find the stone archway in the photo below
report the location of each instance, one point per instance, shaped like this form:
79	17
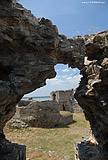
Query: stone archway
30	48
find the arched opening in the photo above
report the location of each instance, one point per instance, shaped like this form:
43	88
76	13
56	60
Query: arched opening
66	78
28	55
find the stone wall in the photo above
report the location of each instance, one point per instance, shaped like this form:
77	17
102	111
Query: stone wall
62	96
76	108
66	100
92	94
12	151
30	47
45	114
40	114
29	50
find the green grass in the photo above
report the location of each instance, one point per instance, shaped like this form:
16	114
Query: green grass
60	140
66	113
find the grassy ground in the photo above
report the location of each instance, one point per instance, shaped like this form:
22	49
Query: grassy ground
66	113
50	144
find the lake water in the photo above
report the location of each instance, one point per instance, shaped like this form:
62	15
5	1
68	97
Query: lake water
44	98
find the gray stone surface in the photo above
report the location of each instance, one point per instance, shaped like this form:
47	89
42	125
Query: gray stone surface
40	114
65	118
45	114
12	151
92	93
29	49
76	108
86	150
66	100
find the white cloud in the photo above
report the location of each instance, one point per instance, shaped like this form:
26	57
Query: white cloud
75	78
64	76
74	70
56	84
54	81
58	76
69	78
57	70
65	70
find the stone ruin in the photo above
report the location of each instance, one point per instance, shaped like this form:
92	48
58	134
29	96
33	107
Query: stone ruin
30	47
46	114
66	101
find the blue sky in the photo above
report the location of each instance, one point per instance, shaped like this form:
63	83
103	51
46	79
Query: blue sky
72	17
66	78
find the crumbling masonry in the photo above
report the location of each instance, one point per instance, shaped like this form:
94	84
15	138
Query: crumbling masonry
29	50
